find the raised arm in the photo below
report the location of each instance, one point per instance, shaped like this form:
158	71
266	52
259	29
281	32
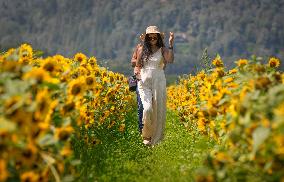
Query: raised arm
169	52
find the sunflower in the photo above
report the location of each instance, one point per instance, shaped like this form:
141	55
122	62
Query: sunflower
39	75
279	141
233	71
111	78
10	66
201	124
83	71
29	176
67	108
103	73
59	58
242	62
259	68
4	172
25	60
29	153
63	133
274	62
222	157
76	87
66	151
92	61
13	110
51	110
218	62
43	103
8	53
80	57
262	82
229	80
50	65
90	80
26	50
220	72
105	80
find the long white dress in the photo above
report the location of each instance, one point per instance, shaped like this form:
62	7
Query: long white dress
152	89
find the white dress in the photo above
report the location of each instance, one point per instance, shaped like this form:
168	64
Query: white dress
152	90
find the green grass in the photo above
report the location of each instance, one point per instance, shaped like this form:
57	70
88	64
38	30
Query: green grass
127	159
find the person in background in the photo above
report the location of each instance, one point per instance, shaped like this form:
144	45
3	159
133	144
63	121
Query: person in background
151	56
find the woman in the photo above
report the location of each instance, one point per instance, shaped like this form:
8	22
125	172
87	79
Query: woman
152	58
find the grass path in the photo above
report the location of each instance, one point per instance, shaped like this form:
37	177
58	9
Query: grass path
126	159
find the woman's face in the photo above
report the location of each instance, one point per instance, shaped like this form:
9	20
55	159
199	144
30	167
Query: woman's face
153	38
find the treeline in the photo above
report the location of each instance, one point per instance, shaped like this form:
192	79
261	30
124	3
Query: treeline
110	29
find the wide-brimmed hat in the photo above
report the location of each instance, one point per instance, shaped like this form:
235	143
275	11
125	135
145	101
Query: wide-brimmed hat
151	29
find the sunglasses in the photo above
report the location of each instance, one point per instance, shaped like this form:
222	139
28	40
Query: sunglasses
153	38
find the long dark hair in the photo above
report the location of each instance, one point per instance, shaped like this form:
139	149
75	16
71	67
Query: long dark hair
147	51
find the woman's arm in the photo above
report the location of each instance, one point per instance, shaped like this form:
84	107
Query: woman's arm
169	53
139	57
135	60
135	56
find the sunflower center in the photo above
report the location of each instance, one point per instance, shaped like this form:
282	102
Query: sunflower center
49	67
76	89
89	81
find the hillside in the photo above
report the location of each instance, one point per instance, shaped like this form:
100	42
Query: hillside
110	29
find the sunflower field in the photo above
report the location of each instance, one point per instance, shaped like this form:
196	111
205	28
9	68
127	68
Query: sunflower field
59	117
46	103
242	109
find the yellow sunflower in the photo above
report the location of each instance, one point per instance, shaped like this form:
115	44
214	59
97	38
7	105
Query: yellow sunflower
229	80
80	57
77	87
66	151
67	108
242	62
92	61
63	133
43	103
4	172
233	71
50	65
59	58
218	62
39	75
26	51
274	62
29	176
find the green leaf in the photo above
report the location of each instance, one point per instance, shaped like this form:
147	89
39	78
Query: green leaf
16	87
48	158
6	125
51	86
38	53
46	140
259	136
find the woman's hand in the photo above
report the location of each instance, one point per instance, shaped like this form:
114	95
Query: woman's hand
136	70
171	39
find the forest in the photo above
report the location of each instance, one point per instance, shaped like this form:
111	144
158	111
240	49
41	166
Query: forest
109	30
